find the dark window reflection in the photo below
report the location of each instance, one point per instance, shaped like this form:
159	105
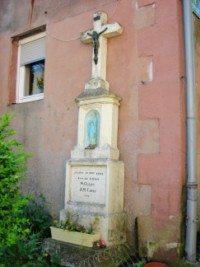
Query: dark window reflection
37	77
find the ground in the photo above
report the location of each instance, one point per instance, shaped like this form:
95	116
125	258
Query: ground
184	263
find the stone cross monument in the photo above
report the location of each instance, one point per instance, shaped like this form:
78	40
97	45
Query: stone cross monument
94	173
98	36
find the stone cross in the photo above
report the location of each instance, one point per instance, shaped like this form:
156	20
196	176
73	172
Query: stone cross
98	36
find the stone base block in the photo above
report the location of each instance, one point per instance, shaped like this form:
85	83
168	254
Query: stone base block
94	186
97	84
95	189
105	152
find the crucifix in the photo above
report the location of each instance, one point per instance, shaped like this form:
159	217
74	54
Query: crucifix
98	37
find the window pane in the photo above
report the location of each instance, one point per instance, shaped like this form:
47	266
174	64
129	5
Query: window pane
37	78
31	67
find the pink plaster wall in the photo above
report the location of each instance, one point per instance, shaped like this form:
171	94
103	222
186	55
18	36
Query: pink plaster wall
164	99
151	117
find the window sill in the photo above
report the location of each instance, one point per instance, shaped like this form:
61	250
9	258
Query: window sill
31	98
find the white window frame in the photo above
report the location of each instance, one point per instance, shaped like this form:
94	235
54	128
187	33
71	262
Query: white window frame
21	72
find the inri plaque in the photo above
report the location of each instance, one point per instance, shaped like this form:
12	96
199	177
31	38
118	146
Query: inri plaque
88	184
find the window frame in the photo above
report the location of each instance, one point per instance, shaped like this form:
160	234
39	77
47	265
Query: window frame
21	72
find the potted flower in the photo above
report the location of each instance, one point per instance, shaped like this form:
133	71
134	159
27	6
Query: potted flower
71	231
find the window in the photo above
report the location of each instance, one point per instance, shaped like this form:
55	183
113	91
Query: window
31	68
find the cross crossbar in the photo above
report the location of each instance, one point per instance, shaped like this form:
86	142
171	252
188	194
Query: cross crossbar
98	35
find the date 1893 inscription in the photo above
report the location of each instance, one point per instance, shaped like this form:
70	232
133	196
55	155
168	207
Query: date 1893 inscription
88	184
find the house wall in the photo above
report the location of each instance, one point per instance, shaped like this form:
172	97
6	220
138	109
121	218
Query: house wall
163	99
145	66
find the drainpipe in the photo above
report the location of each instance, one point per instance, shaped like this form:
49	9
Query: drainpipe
191	209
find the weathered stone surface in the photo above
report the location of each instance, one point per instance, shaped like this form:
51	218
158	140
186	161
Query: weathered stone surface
70	255
95	188
99	92
74	256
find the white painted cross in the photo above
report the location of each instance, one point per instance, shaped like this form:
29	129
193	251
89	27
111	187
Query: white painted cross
98	36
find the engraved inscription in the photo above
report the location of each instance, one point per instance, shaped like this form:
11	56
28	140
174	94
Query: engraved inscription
88	184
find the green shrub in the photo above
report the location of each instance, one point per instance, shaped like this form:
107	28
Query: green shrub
23	220
39	218
28	252
12	161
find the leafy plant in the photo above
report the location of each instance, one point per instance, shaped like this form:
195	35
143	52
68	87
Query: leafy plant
72	224
139	263
39	218
69	224
93	226
12	161
28	252
23	220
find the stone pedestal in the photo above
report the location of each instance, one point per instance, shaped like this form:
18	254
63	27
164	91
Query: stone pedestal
94	174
